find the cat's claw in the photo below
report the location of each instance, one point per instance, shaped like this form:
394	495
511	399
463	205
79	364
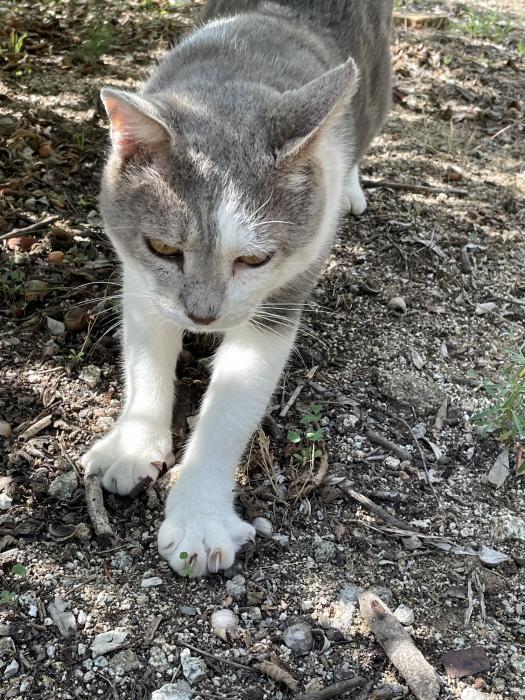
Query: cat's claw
126	456
194	542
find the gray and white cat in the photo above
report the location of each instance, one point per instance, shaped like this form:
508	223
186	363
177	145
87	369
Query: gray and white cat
228	173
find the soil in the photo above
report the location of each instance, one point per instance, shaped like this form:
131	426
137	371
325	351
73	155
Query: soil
457	261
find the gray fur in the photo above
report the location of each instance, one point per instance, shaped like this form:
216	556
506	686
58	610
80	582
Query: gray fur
240	111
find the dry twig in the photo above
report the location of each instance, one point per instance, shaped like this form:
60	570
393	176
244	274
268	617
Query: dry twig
228	662
333	691
399	647
376	510
305	485
389	445
96	509
421	454
387	184
28	229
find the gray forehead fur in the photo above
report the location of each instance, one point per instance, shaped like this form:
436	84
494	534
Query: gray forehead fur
217	92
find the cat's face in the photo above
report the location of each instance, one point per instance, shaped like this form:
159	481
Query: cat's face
213	219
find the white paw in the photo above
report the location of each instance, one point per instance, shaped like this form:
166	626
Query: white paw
354	200
127	455
206	535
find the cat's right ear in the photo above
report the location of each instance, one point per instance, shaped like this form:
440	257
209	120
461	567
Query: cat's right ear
304	114
135	123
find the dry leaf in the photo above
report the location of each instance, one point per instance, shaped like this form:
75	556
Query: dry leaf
417	360
277	674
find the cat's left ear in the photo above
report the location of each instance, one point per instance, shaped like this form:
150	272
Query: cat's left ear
302	115
135	123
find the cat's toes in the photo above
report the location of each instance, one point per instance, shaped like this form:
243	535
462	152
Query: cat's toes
195	543
123	463
354	201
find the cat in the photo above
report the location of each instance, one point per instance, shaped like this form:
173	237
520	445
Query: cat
228	173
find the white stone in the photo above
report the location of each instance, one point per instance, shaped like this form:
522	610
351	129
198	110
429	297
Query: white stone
193	668
236	587
11	669
151	582
108	641
158	659
473	694
173	691
298	637
508	527
517	663
90	375
323	550
63	486
5	501
404	615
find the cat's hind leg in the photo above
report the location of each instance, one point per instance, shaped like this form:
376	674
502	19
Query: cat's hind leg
354	201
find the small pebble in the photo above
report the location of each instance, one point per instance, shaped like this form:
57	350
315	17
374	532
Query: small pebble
398	304
299	638
151	582
11	669
404	615
91	375
194	668
236	587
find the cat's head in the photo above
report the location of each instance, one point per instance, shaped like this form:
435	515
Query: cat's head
218	199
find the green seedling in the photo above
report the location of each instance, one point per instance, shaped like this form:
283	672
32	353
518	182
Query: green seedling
76	356
306	440
17	41
188	563
505	417
7	597
79	137
485	25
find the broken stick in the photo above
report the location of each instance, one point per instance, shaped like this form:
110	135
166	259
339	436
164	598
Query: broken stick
335	690
96	509
407	187
14	233
399	647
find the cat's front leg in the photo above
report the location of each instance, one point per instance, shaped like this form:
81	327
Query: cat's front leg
201	523
141	439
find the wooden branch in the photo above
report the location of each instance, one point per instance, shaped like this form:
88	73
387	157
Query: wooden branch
387	184
333	691
305	485
228	662
376	510
399	647
389	445
421	453
96	509
28	229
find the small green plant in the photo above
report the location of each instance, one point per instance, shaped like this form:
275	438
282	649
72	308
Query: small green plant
7	597
486	25
505	417
76	356
188	564
306	440
79	137
520	48
98	41
17	41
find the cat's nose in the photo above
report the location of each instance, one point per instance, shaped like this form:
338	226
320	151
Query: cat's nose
200	321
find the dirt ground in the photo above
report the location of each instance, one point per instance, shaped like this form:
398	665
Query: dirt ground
456	259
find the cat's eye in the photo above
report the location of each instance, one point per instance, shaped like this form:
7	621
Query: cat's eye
164	249
254	260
